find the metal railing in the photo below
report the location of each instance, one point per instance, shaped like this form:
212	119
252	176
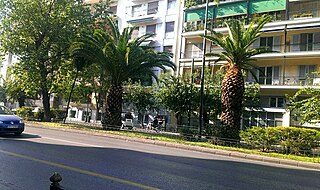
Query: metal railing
141	12
210	134
288	80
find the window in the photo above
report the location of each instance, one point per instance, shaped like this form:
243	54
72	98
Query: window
136	10
171	4
151	29
72	114
135	33
169	27
113	10
306	73
269	75
306	42
167	49
303	42
152	8
276	102
169	30
266	42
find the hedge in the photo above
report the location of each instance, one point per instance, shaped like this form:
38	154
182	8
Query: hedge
287	139
27	114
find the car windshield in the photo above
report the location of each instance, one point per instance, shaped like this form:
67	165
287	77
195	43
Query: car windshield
4	110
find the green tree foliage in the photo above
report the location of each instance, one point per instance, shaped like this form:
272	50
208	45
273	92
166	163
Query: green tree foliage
178	94
40	32
251	96
305	105
19	84
141	97
238	53
122	58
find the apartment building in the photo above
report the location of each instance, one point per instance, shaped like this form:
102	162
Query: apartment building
149	16
294	35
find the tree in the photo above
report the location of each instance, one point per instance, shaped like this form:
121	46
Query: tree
122	58
238	53
79	63
305	104
179	95
40	32
19	84
141	97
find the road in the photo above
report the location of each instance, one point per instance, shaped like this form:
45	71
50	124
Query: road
89	162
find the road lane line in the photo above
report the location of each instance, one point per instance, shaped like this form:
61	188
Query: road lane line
73	142
79	170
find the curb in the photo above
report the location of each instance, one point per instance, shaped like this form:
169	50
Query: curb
308	165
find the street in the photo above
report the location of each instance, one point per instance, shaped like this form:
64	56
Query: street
88	162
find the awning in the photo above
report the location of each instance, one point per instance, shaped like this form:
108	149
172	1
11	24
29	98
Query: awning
141	20
261	6
232	9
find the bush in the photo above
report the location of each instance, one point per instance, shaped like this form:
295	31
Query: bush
25	112
290	139
259	137
57	114
187	132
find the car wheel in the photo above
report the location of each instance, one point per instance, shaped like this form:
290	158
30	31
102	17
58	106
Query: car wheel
17	133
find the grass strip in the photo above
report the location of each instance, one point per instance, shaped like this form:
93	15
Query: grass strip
177	139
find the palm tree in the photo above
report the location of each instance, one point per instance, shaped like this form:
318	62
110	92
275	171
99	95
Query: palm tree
238	54
122	58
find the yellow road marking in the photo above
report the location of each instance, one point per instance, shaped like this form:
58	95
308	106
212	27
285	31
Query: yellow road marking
80	170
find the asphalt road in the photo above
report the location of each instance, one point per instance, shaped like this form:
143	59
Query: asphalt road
89	162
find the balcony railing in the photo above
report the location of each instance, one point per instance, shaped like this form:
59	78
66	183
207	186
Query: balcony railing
288	81
189	54
192	26
141	13
190	3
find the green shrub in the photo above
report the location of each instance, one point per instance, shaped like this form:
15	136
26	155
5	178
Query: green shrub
290	139
299	140
57	114
25	112
258	137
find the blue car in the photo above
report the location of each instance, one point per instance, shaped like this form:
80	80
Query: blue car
10	123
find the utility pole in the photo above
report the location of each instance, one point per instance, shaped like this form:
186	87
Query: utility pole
202	70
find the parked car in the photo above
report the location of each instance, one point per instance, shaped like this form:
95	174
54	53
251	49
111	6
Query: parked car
10	123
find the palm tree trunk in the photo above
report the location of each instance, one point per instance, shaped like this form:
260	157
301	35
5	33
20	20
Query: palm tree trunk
114	108
232	89
70	94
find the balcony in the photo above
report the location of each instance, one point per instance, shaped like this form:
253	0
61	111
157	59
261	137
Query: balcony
197	25
287	81
304	9
191	3
143	13
190	54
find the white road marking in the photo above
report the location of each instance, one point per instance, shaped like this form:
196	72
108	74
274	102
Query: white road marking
72	142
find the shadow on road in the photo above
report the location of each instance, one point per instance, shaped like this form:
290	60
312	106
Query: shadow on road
22	136
155	170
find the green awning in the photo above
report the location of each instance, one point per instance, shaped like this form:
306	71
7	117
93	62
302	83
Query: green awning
141	20
231	9
198	14
260	6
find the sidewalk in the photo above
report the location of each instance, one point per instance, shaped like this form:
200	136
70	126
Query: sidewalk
235	154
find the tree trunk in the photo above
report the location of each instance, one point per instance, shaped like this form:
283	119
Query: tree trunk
46	104
232	89
70	94
112	119
21	101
